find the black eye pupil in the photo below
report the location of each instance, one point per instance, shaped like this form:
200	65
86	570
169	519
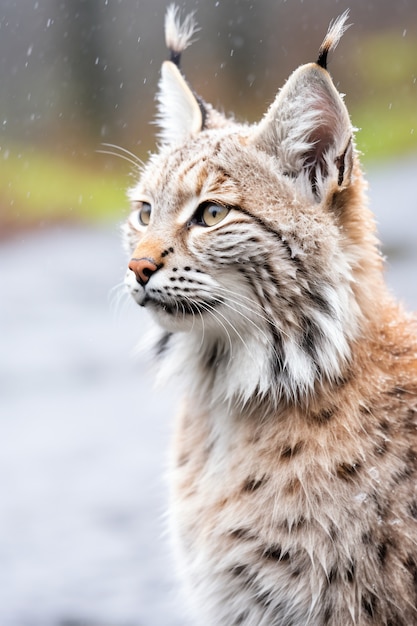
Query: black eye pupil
145	213
209	214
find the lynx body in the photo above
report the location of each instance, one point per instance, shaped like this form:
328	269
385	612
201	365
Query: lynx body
294	465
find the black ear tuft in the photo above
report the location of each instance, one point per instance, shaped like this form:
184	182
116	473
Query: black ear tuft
178	35
175	57
322	60
334	34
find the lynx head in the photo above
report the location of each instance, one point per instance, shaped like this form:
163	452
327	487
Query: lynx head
248	241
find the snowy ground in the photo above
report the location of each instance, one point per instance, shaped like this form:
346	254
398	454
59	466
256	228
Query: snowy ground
83	438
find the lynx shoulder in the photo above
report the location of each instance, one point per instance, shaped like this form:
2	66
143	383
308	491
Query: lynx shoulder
294	463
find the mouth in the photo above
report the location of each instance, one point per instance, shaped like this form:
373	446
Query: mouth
181	307
170	302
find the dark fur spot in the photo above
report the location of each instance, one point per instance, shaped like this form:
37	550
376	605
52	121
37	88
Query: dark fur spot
382	550
412	507
241	618
385	426
275	553
324	416
350	572
411	458
403	474
238	570
370	604
344	380
246	578
300	522
321	303
328	614
410	421
278	359
396	391
252	483
348	471
411	565
311	337
264	599
332	575
162	344
241	533
381	448
367	538
381	506
290	451
293	486
213	356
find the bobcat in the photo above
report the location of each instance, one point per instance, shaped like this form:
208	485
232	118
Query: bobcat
294	466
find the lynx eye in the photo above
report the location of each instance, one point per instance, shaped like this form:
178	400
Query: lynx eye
210	214
144	213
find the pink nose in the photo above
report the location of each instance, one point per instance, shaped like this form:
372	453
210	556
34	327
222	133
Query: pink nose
143	268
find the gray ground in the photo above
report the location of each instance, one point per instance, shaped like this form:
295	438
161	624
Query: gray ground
83	438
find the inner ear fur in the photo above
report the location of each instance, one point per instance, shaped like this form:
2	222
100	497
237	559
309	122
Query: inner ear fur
308	129
179	113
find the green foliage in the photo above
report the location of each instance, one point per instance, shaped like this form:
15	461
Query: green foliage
384	132
385	72
35	185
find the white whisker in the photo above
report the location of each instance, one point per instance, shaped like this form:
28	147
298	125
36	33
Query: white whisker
117	296
133	156
232	327
270	320
259	330
214	313
120	156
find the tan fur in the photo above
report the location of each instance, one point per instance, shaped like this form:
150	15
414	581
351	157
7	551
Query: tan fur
294	464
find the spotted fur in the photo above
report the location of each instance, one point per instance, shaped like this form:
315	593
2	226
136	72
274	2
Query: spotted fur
294	464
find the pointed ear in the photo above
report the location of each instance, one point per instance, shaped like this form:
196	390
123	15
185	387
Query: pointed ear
179	113
309	130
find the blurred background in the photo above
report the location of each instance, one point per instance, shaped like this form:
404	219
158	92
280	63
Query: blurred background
83	439
76	73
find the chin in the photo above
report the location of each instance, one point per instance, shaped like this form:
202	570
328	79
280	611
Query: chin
173	319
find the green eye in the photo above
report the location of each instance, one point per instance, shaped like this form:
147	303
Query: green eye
209	214
144	213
